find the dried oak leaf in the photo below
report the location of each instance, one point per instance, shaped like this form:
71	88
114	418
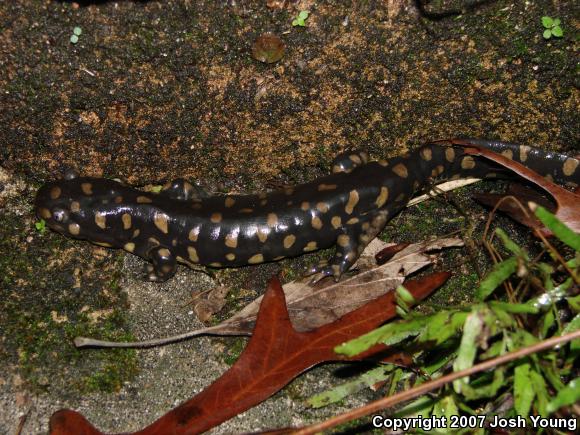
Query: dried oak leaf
567	203
275	355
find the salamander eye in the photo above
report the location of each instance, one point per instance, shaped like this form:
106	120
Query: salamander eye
60	215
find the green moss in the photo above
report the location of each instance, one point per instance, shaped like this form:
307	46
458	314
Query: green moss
234	349
44	310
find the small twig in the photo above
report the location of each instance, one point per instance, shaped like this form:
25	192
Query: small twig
81	342
403	396
442	188
22	422
556	254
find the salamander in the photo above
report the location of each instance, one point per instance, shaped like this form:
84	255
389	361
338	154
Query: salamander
347	208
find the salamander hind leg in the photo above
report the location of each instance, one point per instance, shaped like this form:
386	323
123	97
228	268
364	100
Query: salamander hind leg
350	245
163	265
349	160
183	190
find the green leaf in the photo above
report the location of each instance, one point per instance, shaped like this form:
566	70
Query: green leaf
445	407
523	392
557	31
482	390
340	392
547	34
548	321
556	22
514	308
499	274
567	396
421	406
40	226
405	295
390	333
303	15
468	346
573	326
74	39
77	31
560	230
510	244
547	22
441	326
542	398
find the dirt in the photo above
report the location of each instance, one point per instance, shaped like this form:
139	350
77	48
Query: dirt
157	90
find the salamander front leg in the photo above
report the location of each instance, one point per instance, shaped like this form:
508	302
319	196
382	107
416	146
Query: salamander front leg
163	265
183	190
350	245
347	161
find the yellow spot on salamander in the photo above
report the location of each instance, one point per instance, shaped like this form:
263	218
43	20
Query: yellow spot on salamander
230	256
322	207
254	259
272	220
246	210
450	155
426	154
383	196
263	234
144	199
87	188
129	247
322	187
336	222
192	254
126	218
215	264
310	246
316	223
164	252
524	150
352	201
55	192
355	159
352	221
508	153
343	240
74	229
232	240
75	206
289	241
100	220
305	206
569	166
216	218
468	162
161	221
193	234
401	170
229	202
45	213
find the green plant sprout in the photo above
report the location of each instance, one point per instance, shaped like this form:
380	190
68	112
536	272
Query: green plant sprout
552	27
40	226
301	19
77	31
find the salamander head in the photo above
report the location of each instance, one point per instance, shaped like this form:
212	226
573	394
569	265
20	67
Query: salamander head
80	208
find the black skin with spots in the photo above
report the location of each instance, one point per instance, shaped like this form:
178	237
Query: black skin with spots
347	208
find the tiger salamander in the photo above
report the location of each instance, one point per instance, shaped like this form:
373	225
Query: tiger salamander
347	208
